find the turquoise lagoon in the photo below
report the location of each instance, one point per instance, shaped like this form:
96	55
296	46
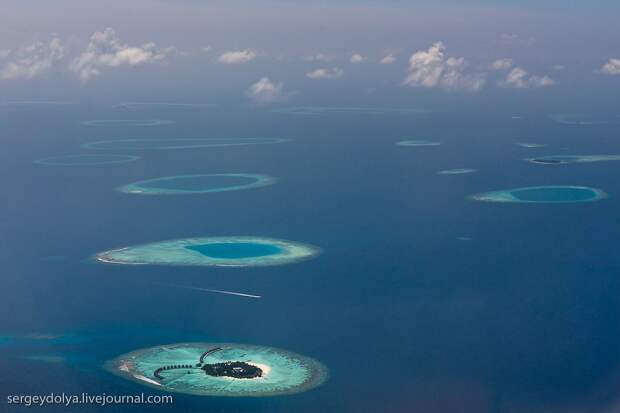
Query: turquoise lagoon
283	372
543	194
238	251
179	143
86	160
197	184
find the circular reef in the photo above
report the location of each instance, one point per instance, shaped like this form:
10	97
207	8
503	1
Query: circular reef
417	143
564	159
180	143
459	171
126	122
543	194
212	369
238	251
197	184
85	160
585	119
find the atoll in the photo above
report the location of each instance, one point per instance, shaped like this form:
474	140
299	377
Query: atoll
126	122
179	143
417	143
216	369
197	184
459	171
86	160
543	194
564	159
238	251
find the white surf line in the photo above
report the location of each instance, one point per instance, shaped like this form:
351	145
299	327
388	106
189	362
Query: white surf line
209	290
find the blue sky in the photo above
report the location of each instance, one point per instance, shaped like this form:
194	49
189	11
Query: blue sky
274	51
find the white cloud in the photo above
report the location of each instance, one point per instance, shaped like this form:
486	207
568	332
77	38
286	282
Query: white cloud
431	68
357	58
4	53
519	78
388	59
237	56
32	61
266	91
502	64
323	73
612	67
105	49
206	49
320	57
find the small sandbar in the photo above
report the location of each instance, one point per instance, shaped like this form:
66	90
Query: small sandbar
543	195
566	159
115	123
238	251
197	184
180	143
86	160
417	143
220	369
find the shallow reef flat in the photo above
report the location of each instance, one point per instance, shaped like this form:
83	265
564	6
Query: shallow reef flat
531	145
328	110
197	184
564	159
543	194
126	122
179	143
86	160
216	369
417	143
236	251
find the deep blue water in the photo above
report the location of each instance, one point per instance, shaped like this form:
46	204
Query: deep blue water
524	317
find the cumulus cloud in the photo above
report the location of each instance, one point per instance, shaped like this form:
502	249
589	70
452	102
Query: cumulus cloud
357	58
388	59
519	78
33	60
266	91
106	50
502	64
236	57
323	73
431	68
612	67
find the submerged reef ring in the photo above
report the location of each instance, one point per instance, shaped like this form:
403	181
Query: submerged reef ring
179	143
459	171
238	251
217	369
84	160
585	119
543	194
126	122
564	159
197	184
326	110
417	143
